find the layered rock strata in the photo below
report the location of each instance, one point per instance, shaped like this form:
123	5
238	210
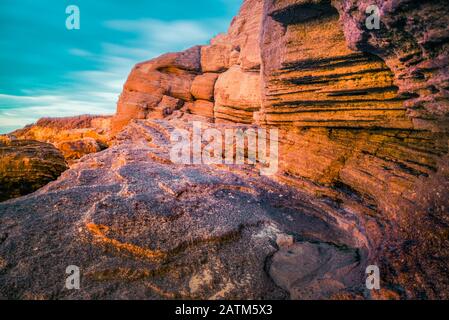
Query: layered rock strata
361	112
362	116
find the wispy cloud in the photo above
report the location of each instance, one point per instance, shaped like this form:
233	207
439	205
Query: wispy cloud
96	90
157	34
29	108
80	52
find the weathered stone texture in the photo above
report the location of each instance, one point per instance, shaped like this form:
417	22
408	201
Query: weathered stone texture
27	165
363	122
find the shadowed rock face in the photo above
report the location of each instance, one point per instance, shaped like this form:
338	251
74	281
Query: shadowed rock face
363	173
27	165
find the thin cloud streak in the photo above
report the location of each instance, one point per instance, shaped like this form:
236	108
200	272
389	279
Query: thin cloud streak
97	91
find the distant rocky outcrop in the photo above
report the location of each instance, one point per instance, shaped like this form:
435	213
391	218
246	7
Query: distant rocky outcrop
73	136
27	165
363	179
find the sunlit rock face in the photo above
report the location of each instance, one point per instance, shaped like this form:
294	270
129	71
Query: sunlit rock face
75	136
362	113
27	165
413	42
156	88
363	173
312	79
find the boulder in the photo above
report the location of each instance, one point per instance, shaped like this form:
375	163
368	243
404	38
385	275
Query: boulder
237	95
27	165
215	58
202	108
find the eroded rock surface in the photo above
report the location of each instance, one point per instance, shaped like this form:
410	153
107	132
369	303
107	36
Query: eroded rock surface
310	270
363	123
413	42
140	227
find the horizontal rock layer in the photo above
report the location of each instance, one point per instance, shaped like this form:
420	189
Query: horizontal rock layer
362	116
225	72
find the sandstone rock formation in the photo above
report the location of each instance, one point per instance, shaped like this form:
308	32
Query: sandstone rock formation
237	95
363	177
158	86
27	165
73	136
203	108
362	113
141	227
203	86
203	73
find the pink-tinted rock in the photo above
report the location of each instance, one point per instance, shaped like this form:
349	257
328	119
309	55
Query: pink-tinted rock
171	74
363	131
75	136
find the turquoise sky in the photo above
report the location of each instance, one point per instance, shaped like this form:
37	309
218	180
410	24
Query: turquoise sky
47	70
